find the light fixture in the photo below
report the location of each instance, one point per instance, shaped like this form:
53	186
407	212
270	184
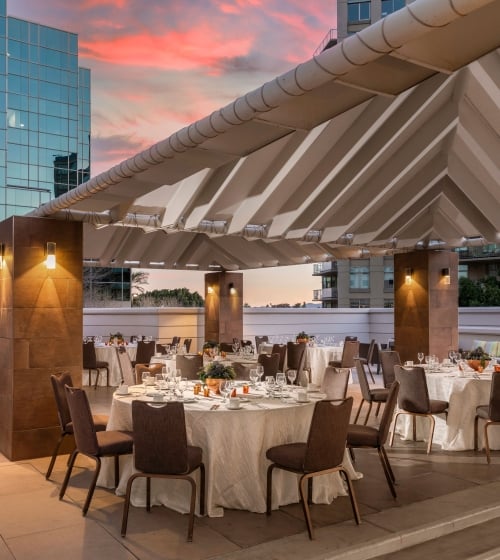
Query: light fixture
408	275
210	290
232	289
132	263
2	255
445	275
50	261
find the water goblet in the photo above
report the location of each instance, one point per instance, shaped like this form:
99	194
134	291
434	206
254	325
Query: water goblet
280	382
270	385
420	357
260	371
226	386
254	376
292	375
145	378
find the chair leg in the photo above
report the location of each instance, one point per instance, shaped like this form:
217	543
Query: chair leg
97	375
370	371
359	411
378	409
310	491
148	494
394	428
269	490
352	496
414	424
370	404
54	455
304	479
431	433
117	470
486	442
202	489
388	473
68	474
476	420
387	462
126	503
191	509
92	486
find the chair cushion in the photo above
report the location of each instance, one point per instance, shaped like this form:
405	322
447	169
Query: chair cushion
115	442
290	455
379	395
360	436
438	406
335	363
483	411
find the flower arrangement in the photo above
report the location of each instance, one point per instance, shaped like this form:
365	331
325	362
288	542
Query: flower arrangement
210	348
477	359
116	338
302	337
216	370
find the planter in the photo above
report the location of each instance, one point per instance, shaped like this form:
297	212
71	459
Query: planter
301	340
213	384
476	365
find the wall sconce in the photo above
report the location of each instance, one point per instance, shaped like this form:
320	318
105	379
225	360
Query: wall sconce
50	261
232	289
2	255
210	290
408	275
445	275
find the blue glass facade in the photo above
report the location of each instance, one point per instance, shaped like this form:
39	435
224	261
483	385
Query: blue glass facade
45	97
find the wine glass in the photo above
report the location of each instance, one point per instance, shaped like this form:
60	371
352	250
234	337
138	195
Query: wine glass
420	357
145	378
280	382
254	376
226	386
292	375
260	371
270	385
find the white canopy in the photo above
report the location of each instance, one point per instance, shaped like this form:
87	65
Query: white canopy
386	142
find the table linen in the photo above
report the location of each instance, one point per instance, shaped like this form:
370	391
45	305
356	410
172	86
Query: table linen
108	354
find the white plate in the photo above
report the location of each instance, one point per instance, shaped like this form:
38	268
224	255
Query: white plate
229	408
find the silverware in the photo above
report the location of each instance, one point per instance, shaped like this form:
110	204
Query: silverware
214	407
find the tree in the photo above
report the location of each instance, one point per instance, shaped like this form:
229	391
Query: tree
137	279
178	297
484	292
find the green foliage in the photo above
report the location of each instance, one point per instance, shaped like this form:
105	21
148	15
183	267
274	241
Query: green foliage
479	293
179	297
217	370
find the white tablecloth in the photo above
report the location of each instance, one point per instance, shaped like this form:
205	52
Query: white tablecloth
317	358
234	445
108	354
464	394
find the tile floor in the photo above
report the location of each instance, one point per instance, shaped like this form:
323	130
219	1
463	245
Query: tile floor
437	494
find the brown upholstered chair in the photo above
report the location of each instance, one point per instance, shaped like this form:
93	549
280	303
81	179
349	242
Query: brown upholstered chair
368	395
490	413
58	381
413	399
260	340
281	350
91	363
270	362
176	340
367	436
126	369
323	453
335	383
349	352
161	348
389	359
189	364
161	451
145	351
365	350
187	344
295	359
93	444
226	347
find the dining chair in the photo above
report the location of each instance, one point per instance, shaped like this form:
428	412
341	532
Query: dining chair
176	340
161	348
127	374
226	347
91	443
490	413
295	359
322	453
350	351
368	395
145	351
58	382
161	451
270	362
413	399
187	344
366	350
281	350
91	363
335	383
350	339
389	359
260	340
189	364
370	437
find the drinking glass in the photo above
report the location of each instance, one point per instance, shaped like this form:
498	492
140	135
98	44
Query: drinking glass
145	377
280	382
254	376
270	385
158	380
260	371
226	386
292	375
420	357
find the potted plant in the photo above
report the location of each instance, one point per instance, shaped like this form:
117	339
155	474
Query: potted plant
213	373
302	337
210	348
478	359
116	338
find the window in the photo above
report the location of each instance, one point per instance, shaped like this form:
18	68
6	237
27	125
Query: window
463	271
389	6
388	303
359	275
388	277
359	303
358	11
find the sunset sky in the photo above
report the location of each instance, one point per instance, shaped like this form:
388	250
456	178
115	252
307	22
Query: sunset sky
158	66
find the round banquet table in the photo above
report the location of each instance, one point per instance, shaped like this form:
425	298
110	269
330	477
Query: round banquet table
234	443
105	353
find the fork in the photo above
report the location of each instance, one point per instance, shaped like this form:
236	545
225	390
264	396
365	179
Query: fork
214	407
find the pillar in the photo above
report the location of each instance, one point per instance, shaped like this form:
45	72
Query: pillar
41	319
223	306
425	303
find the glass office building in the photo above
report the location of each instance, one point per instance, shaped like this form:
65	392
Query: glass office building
45	97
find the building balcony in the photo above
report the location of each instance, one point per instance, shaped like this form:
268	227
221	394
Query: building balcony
324	268
325	294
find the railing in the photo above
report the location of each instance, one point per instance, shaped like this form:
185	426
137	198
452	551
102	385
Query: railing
325	293
329	41
321	268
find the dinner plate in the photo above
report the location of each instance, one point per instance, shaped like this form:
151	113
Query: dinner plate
229	408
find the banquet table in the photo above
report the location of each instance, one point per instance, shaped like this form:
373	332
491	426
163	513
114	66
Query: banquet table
108	354
464	392
234	443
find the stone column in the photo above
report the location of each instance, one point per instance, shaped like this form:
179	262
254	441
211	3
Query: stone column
223	306
40	330
425	305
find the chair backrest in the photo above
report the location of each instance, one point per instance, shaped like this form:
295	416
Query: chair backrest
389	359
281	350
161	348
226	347
259	340
413	394
494	410
160	440
126	369
335	383
349	352
363	350
390	405
145	351
271	364
295	355
176	340
362	379
89	357
58	381
244	343
350	339
187	344
189	364
327	437
83	423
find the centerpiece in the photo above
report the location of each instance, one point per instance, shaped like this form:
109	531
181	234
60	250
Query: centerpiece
478	359
302	337
214	373
116	338
210	348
